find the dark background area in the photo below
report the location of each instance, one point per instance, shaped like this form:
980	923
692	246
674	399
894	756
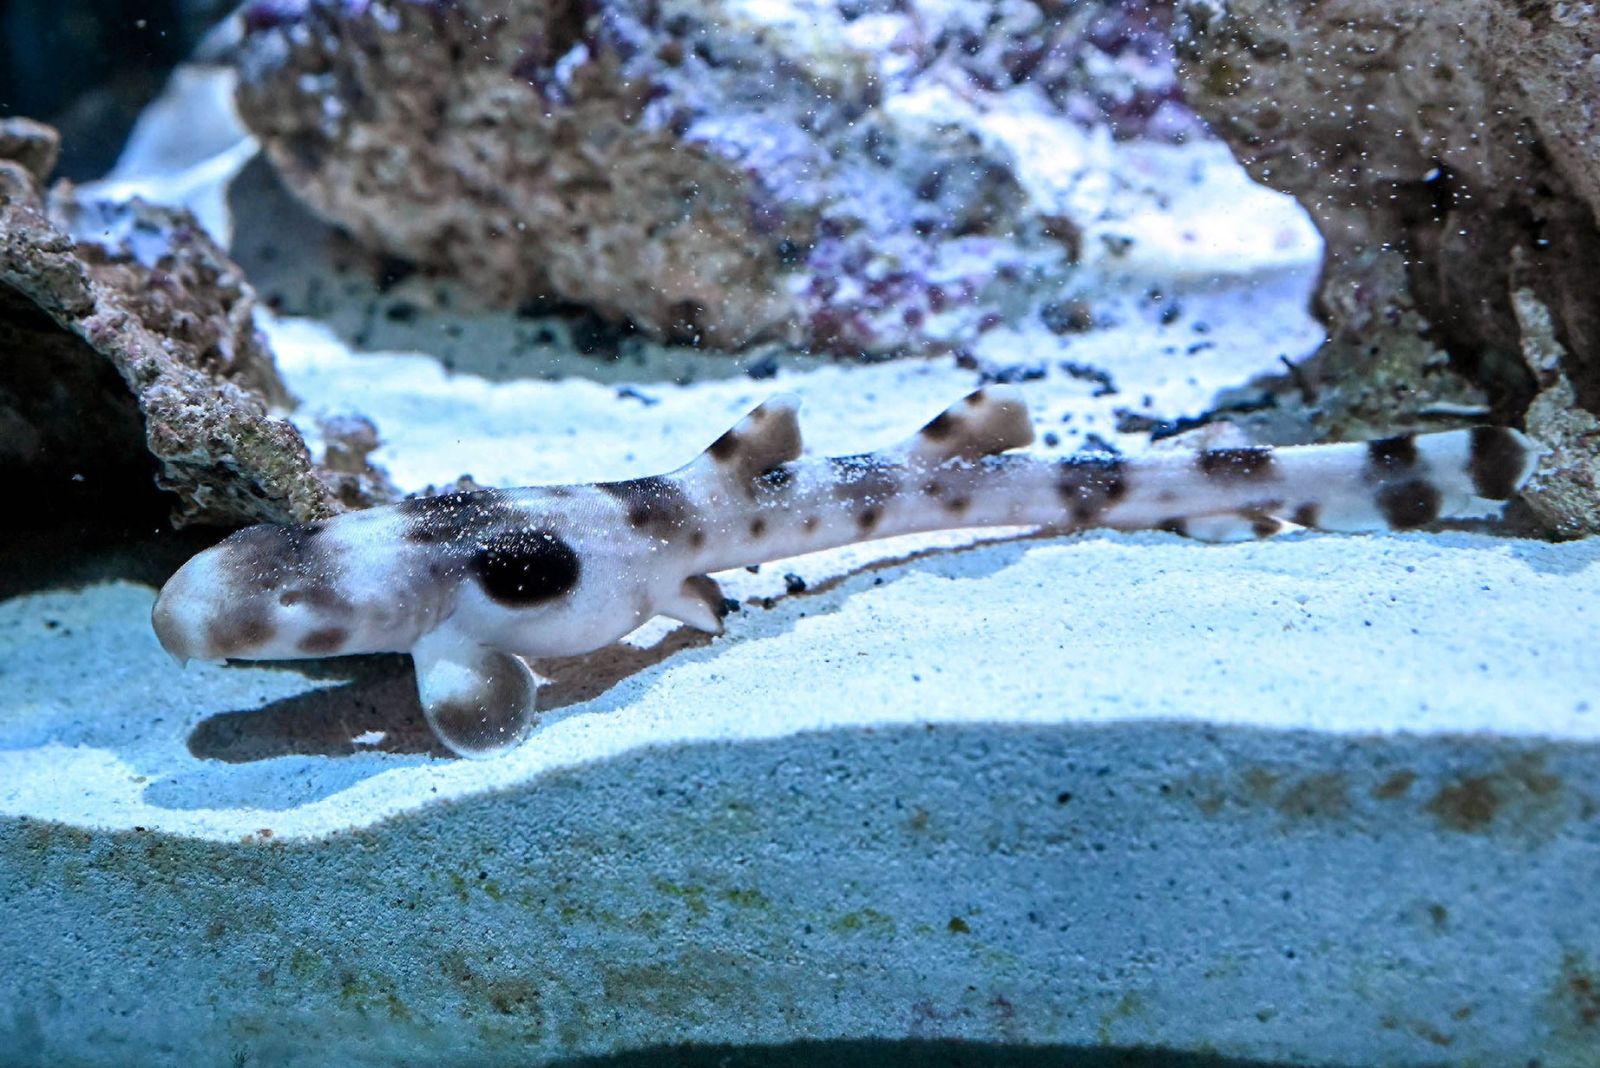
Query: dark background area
87	67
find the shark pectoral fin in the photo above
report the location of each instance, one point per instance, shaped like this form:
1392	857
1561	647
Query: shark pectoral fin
697	603
480	702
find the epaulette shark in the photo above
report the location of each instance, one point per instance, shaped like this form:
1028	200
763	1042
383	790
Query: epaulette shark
472	583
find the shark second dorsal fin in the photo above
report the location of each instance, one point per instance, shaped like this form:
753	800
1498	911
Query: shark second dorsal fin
766	438
985	422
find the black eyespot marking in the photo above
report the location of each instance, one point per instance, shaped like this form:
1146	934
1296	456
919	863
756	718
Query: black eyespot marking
1306	515
939	427
1497	462
1089	485
758	527
1236	465
697	539
1392	455
520	568
1408	505
868	517
957	505
655	504
453	517
323	641
811	523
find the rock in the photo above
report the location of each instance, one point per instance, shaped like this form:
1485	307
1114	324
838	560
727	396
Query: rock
32	144
820	174
132	355
348	443
1103	800
87	67
1565	493
1432	144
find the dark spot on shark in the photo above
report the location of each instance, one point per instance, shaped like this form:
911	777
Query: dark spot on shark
454	517
324	641
265	557
939	427
1391	456
863	478
521	568
239	629
1236	465
326	600
1262	526
656	504
777	478
1497	462
704	588
1408	505
725	447
1089	485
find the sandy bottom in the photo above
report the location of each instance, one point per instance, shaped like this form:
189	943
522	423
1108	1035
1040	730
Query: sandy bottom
1429	633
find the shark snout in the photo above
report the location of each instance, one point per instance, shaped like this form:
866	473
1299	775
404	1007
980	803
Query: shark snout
174	619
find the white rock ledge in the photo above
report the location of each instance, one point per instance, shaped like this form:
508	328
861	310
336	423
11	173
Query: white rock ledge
1321	800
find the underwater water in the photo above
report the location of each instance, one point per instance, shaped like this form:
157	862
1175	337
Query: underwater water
952	533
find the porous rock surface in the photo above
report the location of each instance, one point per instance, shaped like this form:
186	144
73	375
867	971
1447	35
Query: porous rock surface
830	174
1450	156
130	354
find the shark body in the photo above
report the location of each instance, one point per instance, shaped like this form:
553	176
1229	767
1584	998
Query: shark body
473	584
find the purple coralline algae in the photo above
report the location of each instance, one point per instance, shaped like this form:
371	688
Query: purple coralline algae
822	174
133	359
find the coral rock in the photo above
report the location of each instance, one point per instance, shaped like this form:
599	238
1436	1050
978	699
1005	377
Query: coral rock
719	173
1433	145
131	354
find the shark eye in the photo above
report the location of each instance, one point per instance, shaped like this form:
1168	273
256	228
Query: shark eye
520	568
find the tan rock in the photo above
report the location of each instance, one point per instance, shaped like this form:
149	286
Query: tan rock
130	355
1430	142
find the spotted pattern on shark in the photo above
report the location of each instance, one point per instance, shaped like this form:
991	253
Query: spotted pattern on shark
474	585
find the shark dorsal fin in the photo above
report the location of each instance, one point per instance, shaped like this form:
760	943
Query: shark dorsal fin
983	423
766	438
